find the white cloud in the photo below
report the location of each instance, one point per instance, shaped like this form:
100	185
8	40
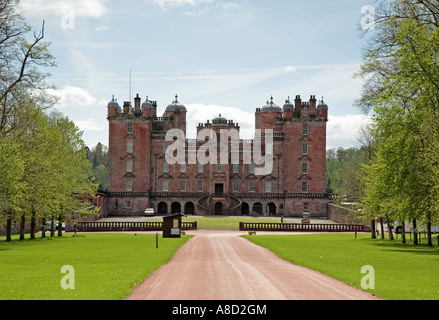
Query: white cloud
178	3
79	8
73	97
89	125
289	69
200	113
102	28
228	5
342	131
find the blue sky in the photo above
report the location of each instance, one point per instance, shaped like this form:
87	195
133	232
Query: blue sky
219	56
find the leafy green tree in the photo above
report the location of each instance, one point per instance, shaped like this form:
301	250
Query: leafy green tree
11	186
401	73
98	156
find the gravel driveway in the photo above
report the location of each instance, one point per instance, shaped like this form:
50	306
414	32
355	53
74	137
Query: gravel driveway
220	265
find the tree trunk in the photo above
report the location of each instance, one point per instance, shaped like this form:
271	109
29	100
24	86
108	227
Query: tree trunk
372	227
60	227
32	224
403	239
429	242
389	227
22	225
415	233
9	227
52	228
43	227
382	227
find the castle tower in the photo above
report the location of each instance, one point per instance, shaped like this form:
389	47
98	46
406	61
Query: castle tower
129	156
177	111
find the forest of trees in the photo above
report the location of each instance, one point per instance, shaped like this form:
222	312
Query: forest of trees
397	179
44	172
98	157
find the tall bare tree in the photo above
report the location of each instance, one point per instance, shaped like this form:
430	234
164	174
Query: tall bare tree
21	59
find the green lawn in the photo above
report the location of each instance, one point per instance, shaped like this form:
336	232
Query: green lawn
226	223
106	266
402	272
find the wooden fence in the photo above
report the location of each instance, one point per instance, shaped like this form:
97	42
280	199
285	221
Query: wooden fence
299	227
127	226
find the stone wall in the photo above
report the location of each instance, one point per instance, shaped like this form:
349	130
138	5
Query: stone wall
343	215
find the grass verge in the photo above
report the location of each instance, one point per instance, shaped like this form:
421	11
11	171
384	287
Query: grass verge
226	223
106	266
402	271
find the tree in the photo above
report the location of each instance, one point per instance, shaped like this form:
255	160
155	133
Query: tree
401	73
11	187
44	170
98	156
20	79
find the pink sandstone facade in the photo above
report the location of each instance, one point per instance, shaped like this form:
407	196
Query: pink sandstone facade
140	177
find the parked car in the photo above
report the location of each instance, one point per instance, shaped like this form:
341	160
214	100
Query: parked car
49	225
149	212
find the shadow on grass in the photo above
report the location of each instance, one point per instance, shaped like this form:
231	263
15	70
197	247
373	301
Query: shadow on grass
398	246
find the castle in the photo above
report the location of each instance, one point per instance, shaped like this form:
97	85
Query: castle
140	177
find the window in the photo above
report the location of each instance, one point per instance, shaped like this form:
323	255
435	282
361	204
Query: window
199	186
129	147
200	168
129	185
130	166
267	186
251	168
305	149
251	186
183	168
165	167
305	129
130	127
219	167
306	206
304	168
165	146
127	204
304	187
236	168
182	185
235	186
165	186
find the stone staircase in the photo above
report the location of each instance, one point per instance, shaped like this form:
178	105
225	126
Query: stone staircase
233	205
204	205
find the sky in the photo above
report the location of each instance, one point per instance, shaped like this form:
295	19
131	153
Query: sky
220	56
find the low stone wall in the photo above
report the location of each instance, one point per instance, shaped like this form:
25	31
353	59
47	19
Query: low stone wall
343	215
